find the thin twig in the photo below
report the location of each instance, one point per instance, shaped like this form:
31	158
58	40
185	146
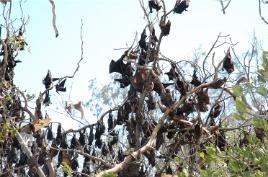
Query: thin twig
106	165
260	13
224	7
91	125
82	52
54	17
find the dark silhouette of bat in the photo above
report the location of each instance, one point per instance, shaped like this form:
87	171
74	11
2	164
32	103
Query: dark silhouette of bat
120	67
195	80
138	81
166	98
165	27
47	81
46	101
228	63
124	81
154	38
12	62
142	41
181	87
142	58
157	87
172	74
217	84
215	111
154	5
181	6
60	87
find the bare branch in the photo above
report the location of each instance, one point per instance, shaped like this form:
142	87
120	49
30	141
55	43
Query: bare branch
29	154
82	52
54	17
91	125
260	13
106	165
224	7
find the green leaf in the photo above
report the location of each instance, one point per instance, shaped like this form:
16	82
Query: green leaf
240	106
259	174
237	116
260	123
260	77
66	168
206	173
263	73
211	154
234	165
237	90
184	173
252	139
110	174
265	59
262	91
202	155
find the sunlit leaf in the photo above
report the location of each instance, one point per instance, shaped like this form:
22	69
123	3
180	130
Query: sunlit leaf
259	174
110	174
211	154
265	59
253	140
202	154
184	173
234	165
263	74
260	123
262	91
237	90
237	116
66	168
240	106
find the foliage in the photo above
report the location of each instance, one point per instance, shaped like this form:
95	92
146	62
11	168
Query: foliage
110	174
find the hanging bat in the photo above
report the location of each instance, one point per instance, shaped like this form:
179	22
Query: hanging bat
181	6
47	81
228	64
120	67
60	86
138	80
153	4
157	87
153	36
195	80
151	104
215	112
165	27
182	87
166	98
142	42
12	62
172	74
46	101
124	81
142	58
217	84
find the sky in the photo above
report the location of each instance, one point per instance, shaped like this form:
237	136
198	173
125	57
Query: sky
110	24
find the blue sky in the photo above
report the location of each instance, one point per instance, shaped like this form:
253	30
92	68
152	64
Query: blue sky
110	24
